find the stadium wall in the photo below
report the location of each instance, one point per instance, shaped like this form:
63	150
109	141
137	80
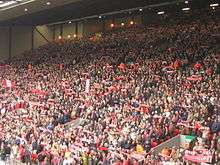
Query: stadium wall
4	42
57	31
93	26
80	29
21	40
42	34
17	39
69	30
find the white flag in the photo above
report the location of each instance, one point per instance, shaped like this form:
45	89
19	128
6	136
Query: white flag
87	85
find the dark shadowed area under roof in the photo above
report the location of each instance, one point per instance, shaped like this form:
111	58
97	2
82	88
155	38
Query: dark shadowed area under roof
85	8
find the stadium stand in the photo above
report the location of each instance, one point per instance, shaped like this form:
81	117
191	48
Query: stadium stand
133	96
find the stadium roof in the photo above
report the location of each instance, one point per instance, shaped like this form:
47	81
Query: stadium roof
35	12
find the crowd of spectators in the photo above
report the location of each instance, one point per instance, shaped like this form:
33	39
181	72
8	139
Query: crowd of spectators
111	99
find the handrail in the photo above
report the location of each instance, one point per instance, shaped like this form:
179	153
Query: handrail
42	35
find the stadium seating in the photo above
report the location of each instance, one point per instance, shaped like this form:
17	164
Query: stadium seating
111	99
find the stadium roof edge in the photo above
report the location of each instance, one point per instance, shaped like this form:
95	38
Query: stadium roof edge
118	12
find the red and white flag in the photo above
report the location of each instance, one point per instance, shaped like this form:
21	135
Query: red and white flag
8	84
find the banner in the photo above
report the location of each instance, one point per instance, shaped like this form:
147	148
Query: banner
170	163
3	66
194	78
193	156
137	156
87	85
169	69
8	84
39	92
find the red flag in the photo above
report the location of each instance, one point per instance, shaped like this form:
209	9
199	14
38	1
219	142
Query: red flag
177	64
122	66
197	66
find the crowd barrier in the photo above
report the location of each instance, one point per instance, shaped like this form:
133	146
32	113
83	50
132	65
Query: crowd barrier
11	162
175	141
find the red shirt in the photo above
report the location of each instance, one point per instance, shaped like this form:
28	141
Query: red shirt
33	157
197	66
